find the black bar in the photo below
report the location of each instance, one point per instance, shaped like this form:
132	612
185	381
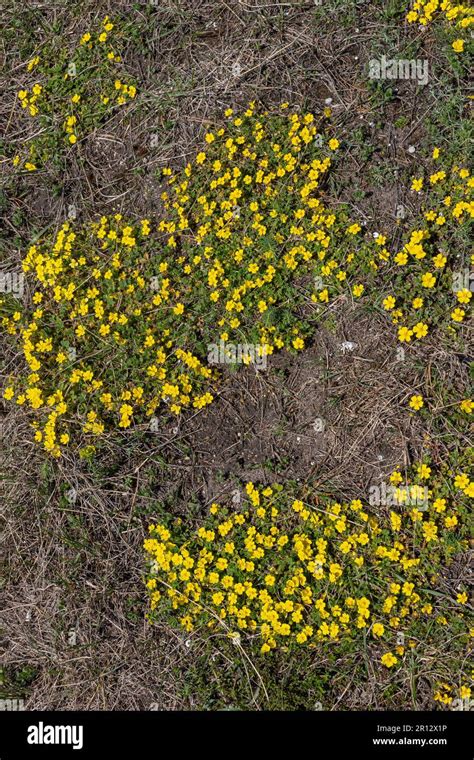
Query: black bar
312	734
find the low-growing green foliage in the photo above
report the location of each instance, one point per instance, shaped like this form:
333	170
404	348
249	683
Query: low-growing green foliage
71	92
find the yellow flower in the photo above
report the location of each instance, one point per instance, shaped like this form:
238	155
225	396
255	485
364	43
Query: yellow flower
389	660
458	46
405	334
401	259
428	280
395	521
416	402
424	471
34	62
354	229
461	481
420	329
458	315
430	531
464	296
439	261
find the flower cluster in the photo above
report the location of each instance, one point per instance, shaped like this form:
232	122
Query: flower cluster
72	93
248	219
430	285
103	344
458	17
288	572
122	314
456	697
